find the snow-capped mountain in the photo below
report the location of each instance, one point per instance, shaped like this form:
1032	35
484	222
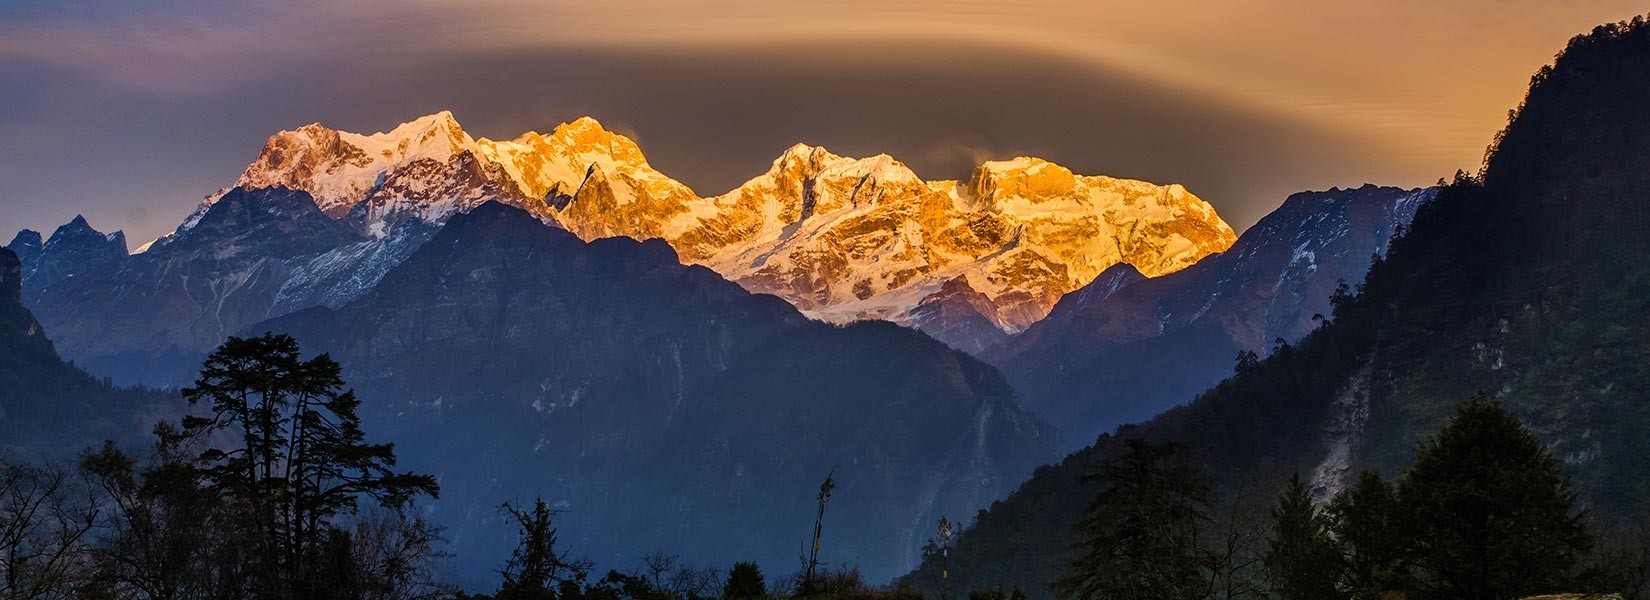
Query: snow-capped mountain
1125	348
841	238
846	238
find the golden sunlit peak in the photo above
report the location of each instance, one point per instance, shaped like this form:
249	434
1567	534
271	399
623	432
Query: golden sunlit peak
584	122
582	128
437	121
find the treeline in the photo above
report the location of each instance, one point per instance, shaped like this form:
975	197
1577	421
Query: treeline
271	490
1483	513
538	569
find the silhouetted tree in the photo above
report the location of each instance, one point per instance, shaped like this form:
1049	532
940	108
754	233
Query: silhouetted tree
808	587
744	581
45	518
537	569
1364	520
287	452
1488	513
1301	563
163	534
1140	538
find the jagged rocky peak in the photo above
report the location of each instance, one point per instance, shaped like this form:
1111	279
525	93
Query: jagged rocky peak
815	161
540	163
276	223
804	181
75	248
78	233
586	135
960	316
430	168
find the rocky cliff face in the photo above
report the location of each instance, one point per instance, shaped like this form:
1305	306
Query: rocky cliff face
18	327
516	360
1123	349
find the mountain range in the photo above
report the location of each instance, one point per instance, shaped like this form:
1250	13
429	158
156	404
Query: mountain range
841	238
552	317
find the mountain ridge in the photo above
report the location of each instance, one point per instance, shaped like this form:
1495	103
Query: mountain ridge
843	238
148	318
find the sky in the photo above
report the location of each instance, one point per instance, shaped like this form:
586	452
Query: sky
131	112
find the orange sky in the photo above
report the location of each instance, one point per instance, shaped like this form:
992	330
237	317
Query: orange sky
1429	78
1410	89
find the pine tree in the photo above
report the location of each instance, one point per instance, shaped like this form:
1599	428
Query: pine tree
744	582
1300	559
1364	521
1140	538
1489	515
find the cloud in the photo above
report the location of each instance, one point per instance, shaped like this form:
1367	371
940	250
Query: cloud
958	155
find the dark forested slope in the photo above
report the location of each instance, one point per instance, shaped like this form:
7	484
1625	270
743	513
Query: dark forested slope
1528	282
49	407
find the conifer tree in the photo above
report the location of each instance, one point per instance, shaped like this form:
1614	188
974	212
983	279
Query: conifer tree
1300	559
744	581
1489	515
1141	536
1365	522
